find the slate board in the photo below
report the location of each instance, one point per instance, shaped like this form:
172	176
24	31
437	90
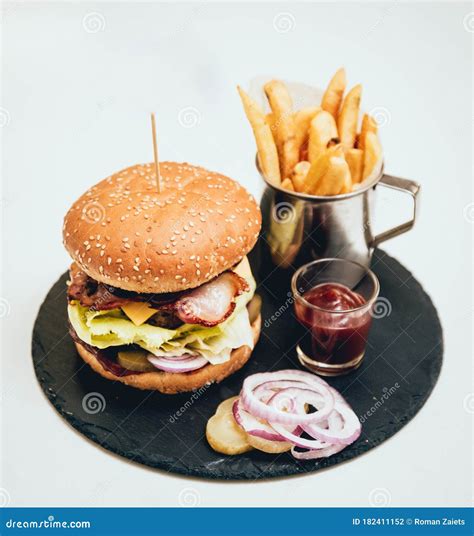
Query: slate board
400	369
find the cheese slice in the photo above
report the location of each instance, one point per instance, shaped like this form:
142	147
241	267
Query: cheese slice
138	312
243	269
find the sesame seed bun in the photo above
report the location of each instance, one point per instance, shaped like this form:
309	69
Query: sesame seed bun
124	233
171	382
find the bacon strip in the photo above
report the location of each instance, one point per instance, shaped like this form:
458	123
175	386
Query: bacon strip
208	305
211	303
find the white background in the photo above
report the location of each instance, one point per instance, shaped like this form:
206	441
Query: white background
75	107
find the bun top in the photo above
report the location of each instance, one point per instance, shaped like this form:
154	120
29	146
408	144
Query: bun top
124	233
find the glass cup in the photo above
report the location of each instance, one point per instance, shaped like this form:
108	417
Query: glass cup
333	300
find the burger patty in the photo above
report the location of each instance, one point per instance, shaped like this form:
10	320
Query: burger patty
208	305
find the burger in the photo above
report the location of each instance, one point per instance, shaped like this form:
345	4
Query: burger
161	294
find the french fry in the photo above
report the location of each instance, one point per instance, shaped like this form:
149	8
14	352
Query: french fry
355	159
282	108
369	124
372	154
303	120
270	119
332	98
267	151
322	129
336	179
348	117
298	176
287	184
318	169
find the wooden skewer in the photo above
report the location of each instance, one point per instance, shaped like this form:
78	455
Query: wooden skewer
155	153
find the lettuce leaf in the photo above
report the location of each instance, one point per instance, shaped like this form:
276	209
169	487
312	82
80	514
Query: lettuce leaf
113	328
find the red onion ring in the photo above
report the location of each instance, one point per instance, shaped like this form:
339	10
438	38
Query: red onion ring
316	453
178	365
274	406
259	409
349	432
253	426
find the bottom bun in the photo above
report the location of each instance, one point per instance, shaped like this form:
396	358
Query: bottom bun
172	382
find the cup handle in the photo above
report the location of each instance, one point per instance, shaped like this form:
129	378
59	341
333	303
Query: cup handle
402	185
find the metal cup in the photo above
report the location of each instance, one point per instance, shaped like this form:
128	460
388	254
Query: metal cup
298	228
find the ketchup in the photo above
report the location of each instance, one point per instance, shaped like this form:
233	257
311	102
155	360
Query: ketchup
335	337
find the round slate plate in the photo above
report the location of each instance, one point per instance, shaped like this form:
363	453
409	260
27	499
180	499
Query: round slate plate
400	369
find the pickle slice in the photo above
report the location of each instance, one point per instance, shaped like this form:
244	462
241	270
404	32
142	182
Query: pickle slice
135	360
